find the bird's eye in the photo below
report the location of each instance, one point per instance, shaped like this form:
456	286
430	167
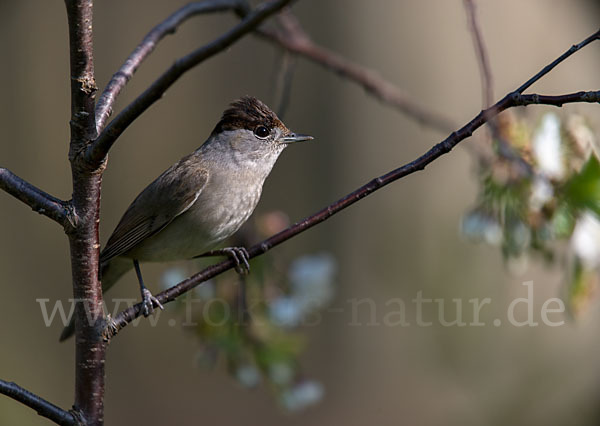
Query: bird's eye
261	132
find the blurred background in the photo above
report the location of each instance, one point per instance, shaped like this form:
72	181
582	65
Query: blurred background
394	245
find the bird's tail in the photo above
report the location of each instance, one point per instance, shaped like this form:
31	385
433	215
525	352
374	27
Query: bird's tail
109	274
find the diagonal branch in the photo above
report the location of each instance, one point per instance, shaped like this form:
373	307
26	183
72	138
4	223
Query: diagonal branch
41	202
512	99
97	151
294	39
147	45
41	406
293	33
509	101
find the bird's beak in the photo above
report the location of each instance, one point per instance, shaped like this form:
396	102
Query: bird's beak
295	137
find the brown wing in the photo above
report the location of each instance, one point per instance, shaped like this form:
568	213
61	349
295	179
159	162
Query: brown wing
170	195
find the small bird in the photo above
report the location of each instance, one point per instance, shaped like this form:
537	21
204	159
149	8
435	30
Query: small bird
201	200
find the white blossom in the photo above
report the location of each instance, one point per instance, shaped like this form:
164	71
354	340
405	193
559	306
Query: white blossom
586	239
302	395
547	147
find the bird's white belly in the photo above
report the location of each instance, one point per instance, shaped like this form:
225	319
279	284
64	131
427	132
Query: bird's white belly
199	229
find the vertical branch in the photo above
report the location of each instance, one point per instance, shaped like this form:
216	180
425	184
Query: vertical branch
283	86
83	83
504	147
481	53
84	242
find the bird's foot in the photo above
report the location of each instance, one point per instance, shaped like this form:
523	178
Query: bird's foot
148	302
239	255
110	329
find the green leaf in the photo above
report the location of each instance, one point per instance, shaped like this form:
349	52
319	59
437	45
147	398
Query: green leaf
563	221
582	191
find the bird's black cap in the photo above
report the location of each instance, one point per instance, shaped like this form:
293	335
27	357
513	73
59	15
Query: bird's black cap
248	113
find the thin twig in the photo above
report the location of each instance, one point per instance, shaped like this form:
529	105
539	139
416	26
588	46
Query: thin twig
286	65
561	58
481	53
41	406
97	151
148	44
371	82
511	100
487	90
505	149
294	39
41	202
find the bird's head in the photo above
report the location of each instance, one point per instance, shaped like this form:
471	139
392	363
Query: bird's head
250	127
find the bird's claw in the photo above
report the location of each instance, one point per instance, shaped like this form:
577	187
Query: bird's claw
148	302
240	256
110	329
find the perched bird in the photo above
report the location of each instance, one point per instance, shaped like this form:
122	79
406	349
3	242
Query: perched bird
201	200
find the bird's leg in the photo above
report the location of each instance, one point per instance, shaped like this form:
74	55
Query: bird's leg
147	298
243	302
238	254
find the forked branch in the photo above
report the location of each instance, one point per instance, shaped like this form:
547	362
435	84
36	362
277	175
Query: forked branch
97	151
148	44
291	37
